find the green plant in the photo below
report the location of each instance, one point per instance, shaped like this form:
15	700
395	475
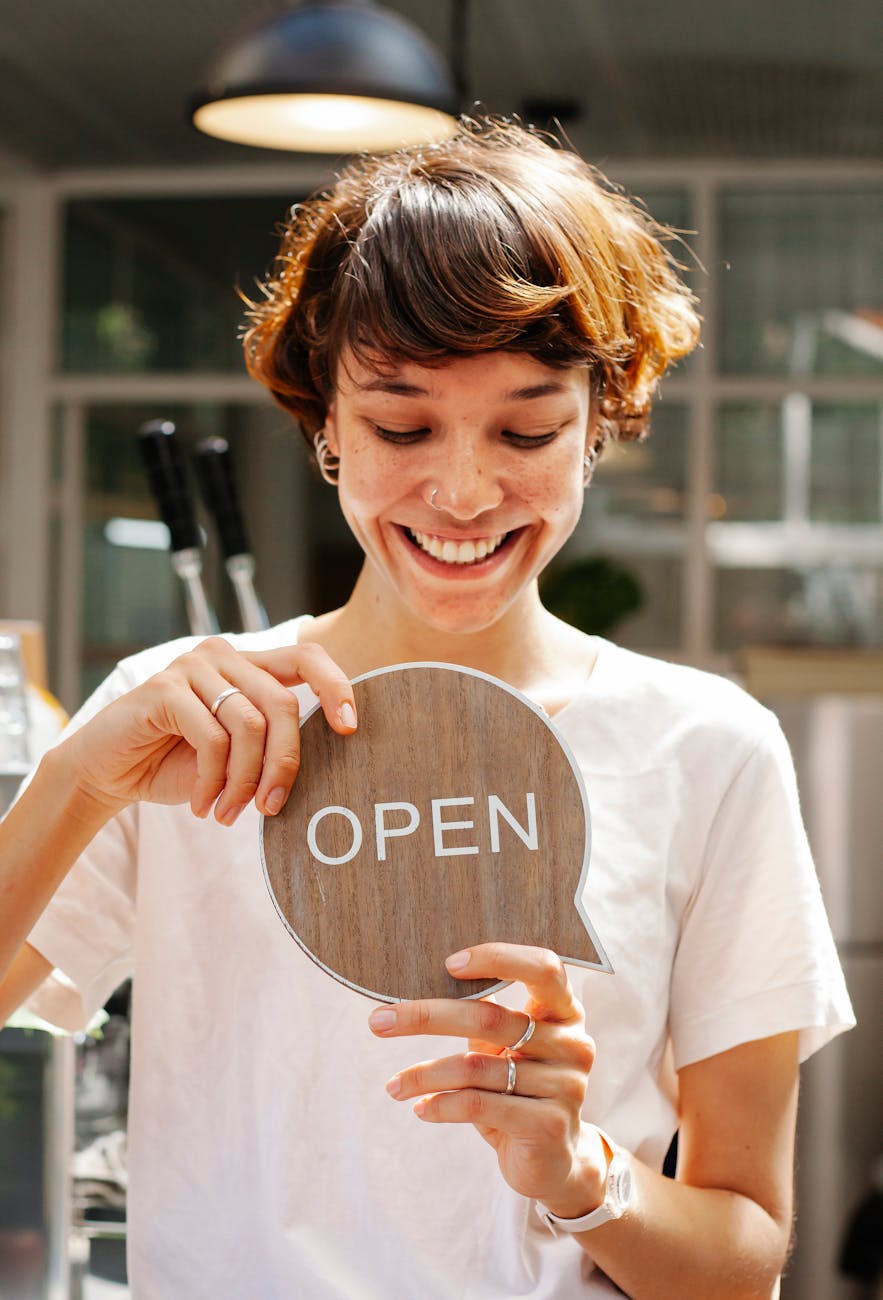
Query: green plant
593	593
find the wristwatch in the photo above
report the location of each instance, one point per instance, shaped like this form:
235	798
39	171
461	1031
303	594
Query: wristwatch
617	1194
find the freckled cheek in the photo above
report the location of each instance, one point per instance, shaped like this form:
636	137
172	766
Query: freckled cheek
556	492
371	482
363	506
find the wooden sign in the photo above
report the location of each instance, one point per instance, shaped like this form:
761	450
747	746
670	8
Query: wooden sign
455	815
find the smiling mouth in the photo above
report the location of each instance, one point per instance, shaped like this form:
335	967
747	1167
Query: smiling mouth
448	551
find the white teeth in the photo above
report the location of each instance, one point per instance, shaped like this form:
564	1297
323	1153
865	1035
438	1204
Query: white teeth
451	552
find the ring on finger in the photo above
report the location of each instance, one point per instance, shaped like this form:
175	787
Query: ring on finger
525	1037
511	1071
225	695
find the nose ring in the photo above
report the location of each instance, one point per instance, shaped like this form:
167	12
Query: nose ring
433	494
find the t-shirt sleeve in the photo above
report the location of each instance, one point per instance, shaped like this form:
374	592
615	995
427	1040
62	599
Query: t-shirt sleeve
756	956
87	931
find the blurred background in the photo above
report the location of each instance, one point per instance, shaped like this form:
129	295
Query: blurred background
745	536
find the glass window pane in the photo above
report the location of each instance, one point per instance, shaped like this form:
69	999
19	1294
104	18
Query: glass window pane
801	290
151	284
749	463
130	597
625	556
846	475
817	461
657	624
836	604
647	480
668	205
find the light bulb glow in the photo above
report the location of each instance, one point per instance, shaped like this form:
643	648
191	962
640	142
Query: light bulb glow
323	123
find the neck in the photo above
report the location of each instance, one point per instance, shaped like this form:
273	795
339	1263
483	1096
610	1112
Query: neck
368	633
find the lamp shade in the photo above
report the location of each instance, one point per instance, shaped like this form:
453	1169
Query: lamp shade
329	76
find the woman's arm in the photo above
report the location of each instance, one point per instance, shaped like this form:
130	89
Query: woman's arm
41	837
719	1232
723	1227
160	743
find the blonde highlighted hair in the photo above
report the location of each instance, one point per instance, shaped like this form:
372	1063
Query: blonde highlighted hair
492	239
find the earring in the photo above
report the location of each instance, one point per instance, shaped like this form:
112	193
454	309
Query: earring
590	460
329	464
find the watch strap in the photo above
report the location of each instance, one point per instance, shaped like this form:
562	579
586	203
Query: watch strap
612	1207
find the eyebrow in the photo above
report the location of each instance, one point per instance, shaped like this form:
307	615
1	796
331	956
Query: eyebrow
397	386
400	389
535	390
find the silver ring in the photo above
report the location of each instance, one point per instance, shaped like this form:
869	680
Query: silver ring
433	494
225	695
525	1037
510	1077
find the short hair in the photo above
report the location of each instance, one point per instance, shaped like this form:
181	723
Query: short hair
495	238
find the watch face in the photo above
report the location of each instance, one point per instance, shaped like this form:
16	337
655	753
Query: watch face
620	1182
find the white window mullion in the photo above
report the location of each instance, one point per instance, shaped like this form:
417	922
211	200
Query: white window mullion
698	591
31	278
71	543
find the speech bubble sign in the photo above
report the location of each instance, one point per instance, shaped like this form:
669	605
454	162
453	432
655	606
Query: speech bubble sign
455	815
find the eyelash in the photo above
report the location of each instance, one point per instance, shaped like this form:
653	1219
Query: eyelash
522	440
391	435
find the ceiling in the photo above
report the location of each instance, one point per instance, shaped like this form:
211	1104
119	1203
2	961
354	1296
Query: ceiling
98	83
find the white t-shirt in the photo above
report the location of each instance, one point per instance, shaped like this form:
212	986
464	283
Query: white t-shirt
266	1159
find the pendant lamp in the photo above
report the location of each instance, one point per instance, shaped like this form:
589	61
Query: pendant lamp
329	76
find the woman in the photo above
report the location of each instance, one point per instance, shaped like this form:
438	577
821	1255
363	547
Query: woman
459	330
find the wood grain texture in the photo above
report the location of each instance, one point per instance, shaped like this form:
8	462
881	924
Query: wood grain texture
385	926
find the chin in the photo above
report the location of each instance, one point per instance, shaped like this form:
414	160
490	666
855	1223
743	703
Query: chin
459	621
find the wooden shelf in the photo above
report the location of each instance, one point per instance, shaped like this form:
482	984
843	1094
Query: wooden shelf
774	671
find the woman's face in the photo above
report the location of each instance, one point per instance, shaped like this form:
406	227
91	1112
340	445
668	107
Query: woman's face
460	481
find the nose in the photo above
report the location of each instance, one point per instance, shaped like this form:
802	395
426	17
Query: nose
463	485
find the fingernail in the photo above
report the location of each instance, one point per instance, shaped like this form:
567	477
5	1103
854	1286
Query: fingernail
458	960
229	817
420	1107
204	807
347	714
275	799
382	1018
394	1086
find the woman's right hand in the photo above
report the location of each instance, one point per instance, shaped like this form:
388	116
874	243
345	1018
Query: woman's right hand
160	743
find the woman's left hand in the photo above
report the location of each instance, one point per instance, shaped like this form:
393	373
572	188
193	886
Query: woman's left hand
543	1148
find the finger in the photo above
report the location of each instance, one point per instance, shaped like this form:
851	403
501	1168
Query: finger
247	729
528	1027
542	972
279	709
488	1022
305	663
179	712
262	676
491	1074
310	664
541	1121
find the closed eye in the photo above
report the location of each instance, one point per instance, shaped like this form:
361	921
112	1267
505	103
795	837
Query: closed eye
529	440
399	435
404	436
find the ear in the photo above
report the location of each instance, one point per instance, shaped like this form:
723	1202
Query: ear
595	433
330	427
